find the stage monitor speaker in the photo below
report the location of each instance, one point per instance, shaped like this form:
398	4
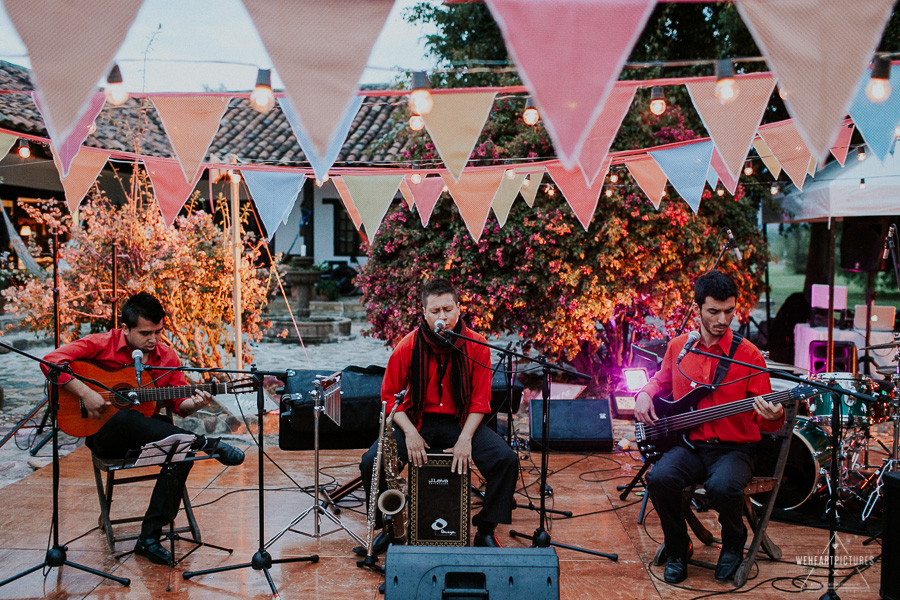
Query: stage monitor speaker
580	424
890	538
441	573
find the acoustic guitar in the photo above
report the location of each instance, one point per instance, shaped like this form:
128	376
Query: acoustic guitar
73	417
676	417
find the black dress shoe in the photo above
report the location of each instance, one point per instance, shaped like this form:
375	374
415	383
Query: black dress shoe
486	540
152	550
676	569
226	454
379	545
729	560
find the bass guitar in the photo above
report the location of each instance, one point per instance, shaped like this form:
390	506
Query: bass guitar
73	418
676	417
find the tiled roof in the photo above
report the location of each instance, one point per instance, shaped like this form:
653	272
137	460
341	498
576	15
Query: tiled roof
253	137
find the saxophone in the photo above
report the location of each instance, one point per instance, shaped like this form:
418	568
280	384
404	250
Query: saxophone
392	502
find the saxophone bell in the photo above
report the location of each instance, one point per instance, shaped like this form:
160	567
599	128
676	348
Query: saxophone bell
392	504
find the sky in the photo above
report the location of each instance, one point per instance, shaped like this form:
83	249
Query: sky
189	46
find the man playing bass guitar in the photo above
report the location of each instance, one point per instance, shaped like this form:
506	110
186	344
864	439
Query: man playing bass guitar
721	453
125	430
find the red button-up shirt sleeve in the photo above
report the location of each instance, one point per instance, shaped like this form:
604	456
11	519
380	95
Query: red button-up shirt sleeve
396	377
480	366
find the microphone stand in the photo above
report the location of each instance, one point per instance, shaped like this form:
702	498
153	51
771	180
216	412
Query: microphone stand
541	537
834	500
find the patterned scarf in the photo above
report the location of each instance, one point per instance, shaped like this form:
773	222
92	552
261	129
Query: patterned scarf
430	346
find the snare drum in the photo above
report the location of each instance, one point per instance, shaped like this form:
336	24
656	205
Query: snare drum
809	455
854	413
438	504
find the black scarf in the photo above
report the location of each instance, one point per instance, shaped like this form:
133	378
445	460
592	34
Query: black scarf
428	346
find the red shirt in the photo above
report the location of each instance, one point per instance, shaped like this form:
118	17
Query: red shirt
110	351
742	428
396	379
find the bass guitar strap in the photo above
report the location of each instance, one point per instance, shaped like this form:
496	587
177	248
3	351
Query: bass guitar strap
724	365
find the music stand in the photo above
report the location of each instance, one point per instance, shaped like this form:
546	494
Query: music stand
328	391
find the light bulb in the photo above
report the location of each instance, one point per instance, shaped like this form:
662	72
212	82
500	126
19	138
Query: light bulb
416	123
879	87
262	98
415	178
530	115
726	87
420	99
748	170
657	101
115	92
720	191
510	173
550	190
445	189
774	189
861	155
862	183
614	178
24	149
25	231
609	192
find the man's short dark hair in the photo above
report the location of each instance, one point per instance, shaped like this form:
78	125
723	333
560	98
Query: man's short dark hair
438	287
715	284
142	305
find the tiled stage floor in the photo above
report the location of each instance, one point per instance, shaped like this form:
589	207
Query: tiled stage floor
226	505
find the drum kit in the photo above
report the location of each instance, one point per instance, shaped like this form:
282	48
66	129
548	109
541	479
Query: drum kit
807	471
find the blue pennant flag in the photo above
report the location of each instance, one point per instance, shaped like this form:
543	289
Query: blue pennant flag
274	194
876	121
686	167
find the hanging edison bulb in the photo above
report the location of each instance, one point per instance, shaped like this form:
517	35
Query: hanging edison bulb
24	149
416	123
657	101
879	87
420	100
727	90
115	91
530	115
262	98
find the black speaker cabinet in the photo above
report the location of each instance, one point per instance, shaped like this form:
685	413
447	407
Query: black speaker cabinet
890	538
862	244
582	424
430	573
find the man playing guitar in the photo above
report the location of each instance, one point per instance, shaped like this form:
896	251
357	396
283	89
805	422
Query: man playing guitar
720	454
125	430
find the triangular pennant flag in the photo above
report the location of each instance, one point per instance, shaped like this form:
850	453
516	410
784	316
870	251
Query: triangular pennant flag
321	162
473	194
842	143
7	141
717	165
712	178
787	146
686	168
169	186
649	177
530	187
581	197
811	169
426	193
83	172
732	126
455	123
876	120
67	149
407	193
765	154
372	195
570	97
606	127
274	194
349	206
818	51
320	49
506	195
64	74
191	124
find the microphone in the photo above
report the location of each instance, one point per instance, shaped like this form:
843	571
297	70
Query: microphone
887	239
439	326
137	355
737	251
693	338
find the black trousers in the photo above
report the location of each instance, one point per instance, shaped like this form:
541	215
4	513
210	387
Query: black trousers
129	430
496	461
723	469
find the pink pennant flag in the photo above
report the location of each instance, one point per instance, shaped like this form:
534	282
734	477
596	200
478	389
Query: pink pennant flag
426	193
67	149
718	165
606	127
372	195
732	126
819	52
71	46
506	195
191	124
169	186
348	201
581	198
530	187
455	123
649	176
83	172
569	54
320	49
787	146
842	143
473	194
407	194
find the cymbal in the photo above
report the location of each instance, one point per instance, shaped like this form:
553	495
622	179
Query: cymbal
886	370
786	367
895	344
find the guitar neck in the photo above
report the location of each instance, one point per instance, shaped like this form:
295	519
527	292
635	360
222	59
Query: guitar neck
161	394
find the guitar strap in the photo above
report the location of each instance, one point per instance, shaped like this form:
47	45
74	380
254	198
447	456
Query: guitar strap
724	365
